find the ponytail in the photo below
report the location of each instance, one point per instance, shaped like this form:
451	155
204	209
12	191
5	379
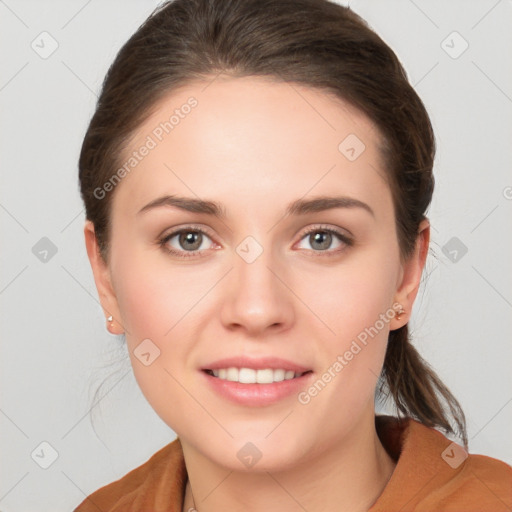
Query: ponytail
416	389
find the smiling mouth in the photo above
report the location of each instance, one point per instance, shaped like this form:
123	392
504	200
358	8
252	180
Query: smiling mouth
252	376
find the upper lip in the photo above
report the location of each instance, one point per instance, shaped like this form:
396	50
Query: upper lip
256	363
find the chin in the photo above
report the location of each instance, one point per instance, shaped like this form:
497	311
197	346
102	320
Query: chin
254	454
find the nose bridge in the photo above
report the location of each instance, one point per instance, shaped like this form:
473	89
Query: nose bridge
256	299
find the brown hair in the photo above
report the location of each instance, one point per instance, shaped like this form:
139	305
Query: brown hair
315	43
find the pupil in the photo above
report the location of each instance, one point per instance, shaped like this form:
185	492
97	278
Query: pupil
323	238
190	237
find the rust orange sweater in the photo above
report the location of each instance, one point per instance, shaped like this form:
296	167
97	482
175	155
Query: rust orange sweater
432	475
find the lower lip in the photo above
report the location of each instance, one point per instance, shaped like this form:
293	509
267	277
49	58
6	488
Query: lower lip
254	395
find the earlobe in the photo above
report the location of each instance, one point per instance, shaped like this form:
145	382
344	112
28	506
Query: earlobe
410	280
102	279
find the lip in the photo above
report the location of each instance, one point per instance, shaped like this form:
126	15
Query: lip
260	363
256	395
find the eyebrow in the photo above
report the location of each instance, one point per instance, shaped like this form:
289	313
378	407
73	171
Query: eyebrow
297	207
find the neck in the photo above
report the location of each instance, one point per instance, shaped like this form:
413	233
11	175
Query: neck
349	476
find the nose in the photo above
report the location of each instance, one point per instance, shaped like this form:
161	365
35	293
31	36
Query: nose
257	298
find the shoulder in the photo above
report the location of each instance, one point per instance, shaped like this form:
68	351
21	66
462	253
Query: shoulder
471	483
160	479
486	477
434	473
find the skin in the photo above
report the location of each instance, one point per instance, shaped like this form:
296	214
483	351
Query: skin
255	145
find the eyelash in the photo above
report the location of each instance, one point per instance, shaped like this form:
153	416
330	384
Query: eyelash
190	254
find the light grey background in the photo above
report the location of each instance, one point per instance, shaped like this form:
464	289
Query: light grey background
55	348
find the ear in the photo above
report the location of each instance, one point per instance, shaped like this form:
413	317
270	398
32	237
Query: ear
412	270
102	279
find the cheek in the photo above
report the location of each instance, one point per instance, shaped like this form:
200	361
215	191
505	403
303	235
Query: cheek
156	305
352	296
160	302
154	295
145	304
353	301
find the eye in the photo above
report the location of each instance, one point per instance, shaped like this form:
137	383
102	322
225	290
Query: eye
189	240
321	239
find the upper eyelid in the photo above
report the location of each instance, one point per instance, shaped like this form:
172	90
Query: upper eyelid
336	230
188	227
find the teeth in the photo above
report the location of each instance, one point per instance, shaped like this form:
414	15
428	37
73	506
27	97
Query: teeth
251	376
232	374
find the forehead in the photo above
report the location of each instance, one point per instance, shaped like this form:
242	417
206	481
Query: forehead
246	138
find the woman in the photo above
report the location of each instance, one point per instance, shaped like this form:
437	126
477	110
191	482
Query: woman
256	177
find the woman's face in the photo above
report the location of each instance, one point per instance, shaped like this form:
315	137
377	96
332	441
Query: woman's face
247	285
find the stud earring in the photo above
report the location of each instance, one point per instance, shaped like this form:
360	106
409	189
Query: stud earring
399	314
110	325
